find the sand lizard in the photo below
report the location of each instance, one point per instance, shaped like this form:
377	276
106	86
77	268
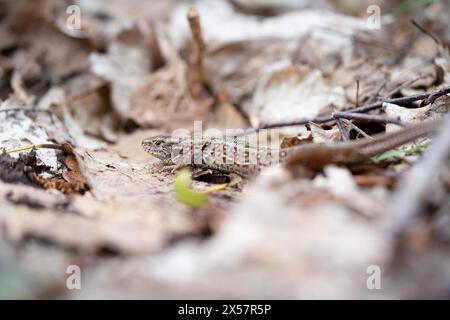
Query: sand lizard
233	155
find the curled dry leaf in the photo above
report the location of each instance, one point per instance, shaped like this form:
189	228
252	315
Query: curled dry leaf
320	135
405	115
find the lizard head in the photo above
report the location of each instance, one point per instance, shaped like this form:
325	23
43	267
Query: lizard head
161	147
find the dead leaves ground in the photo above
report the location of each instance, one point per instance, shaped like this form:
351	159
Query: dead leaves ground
127	74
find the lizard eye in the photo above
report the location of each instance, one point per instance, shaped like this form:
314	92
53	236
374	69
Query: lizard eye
158	143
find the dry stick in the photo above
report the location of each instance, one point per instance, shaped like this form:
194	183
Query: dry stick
357	93
62	147
366	117
199	44
344	133
432	36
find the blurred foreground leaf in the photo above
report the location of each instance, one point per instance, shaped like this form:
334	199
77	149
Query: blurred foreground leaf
392	154
184	193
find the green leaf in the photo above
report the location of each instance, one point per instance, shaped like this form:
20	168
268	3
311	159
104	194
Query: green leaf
391	154
184	193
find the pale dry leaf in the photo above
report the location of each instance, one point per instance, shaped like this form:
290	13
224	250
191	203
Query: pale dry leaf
323	50
21	128
323	136
130	10
105	170
406	115
291	92
126	66
235	66
372	75
237	51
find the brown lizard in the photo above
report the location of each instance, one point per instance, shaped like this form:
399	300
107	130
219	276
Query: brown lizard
233	155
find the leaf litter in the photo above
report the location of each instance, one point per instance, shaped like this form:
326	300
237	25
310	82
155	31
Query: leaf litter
138	231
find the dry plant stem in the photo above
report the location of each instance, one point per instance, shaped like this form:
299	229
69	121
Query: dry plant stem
26	110
432	36
199	44
357	93
344	133
408	199
366	117
35	146
428	97
377	91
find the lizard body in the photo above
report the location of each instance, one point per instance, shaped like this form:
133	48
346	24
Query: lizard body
234	155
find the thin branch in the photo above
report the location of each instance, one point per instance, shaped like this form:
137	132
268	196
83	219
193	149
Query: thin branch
432	36
62	147
344	133
366	117
357	93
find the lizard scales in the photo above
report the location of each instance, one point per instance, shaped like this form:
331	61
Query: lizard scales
234	155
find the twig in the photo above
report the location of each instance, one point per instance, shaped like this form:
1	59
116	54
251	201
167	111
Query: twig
357	93
432	36
344	133
199	44
366	117
63	147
